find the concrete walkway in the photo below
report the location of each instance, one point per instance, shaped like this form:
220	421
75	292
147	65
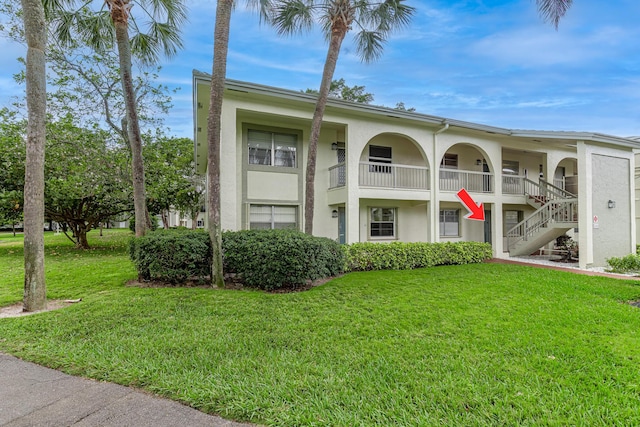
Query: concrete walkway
560	267
31	395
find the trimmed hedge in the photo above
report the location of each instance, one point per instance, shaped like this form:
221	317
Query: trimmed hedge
406	256
271	259
626	264
172	255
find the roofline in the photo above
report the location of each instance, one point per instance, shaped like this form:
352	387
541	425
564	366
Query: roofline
241	86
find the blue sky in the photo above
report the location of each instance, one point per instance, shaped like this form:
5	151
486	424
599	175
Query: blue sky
493	62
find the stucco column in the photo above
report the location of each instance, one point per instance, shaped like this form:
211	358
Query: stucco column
230	214
434	206
585	209
352	206
632	202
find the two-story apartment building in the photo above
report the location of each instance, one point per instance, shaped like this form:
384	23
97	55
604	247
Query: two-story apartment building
389	175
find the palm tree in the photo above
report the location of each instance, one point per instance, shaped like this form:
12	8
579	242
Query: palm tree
35	297
553	10
218	76
374	20
103	29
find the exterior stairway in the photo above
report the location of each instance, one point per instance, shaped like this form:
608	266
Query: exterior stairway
556	213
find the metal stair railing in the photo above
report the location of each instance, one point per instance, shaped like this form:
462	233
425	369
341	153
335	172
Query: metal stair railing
545	190
554	211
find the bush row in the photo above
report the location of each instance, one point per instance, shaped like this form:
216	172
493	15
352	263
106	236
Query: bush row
271	259
626	264
405	256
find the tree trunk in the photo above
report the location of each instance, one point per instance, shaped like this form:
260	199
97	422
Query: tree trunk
119	15
220	49
194	220
165	218
337	36
81	238
35	297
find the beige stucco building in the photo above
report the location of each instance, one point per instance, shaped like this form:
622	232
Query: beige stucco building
390	175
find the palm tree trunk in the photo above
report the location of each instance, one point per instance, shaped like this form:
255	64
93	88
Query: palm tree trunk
119	15
220	49
35	297
337	36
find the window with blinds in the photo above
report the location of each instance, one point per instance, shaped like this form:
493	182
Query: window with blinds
383	222
272	148
450	222
266	217
379	154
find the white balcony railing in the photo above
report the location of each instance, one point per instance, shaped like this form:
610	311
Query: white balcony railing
387	175
513	184
477	182
337	175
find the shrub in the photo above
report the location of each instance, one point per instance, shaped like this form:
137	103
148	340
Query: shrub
626	264
271	259
405	256
171	255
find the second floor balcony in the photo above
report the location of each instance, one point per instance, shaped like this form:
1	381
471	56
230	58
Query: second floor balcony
395	176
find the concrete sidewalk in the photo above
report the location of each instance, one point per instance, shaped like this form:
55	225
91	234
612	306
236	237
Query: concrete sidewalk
31	395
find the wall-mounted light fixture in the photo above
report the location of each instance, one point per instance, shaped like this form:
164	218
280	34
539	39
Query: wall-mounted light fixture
334	213
478	162
611	204
334	146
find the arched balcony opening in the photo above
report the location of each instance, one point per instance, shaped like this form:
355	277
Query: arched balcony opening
466	166
393	161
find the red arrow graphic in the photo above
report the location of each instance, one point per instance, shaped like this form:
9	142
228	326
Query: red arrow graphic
476	211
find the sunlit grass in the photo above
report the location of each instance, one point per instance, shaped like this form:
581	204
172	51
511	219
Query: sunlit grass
70	273
483	344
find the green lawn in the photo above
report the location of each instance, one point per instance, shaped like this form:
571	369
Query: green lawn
485	344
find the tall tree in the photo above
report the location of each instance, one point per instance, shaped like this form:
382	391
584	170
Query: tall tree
35	297
87	179
375	21
553	10
218	77
105	28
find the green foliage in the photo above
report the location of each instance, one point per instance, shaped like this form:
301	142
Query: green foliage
86	175
271	259
405	256
471	345
170	176
171	255
626	264
339	90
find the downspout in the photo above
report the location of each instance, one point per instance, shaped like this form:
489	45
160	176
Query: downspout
442	129
435	188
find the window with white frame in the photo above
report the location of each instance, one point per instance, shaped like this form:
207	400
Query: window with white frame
511	219
511	184
265	217
382	223
272	148
379	154
449	161
450	222
510	167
